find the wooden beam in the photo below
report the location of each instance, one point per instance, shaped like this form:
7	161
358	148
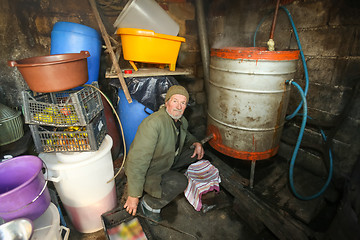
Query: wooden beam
111	51
277	221
249	216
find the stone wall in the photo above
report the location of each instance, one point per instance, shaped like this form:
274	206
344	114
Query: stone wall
328	31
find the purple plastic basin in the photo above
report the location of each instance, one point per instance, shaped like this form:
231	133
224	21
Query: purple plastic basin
23	193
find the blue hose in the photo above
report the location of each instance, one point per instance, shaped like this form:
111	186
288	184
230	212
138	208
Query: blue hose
258	26
303	62
298	142
302	104
301	54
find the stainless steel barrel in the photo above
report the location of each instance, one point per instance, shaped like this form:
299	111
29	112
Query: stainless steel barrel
247	100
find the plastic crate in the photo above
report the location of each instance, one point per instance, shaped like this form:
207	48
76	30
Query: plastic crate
70	139
113	220
66	108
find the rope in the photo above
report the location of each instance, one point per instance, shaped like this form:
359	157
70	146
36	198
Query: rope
121	128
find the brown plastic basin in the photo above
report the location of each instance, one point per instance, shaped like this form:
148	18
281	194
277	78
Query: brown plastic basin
53	73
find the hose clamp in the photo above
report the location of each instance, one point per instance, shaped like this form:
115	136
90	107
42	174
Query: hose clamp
289	81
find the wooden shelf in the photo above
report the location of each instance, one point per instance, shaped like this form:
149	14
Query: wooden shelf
149	72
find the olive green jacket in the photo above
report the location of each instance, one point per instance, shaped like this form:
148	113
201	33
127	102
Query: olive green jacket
152	152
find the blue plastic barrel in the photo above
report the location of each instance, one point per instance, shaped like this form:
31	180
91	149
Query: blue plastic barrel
131	115
68	37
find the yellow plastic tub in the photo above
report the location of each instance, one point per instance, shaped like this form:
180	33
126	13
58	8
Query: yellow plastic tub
140	45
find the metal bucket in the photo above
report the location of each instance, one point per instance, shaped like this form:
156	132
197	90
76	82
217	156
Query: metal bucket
248	98
11	125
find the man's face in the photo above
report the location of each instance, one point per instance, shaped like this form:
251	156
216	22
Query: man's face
176	105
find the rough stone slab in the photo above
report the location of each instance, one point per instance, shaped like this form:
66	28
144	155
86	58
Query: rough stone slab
344	13
191	43
321	70
183	10
187	59
346	72
325	98
310	14
326	41
279	222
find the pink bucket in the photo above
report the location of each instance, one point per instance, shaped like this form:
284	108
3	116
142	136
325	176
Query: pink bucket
23	189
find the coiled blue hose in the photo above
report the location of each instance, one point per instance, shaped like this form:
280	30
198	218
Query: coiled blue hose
298	142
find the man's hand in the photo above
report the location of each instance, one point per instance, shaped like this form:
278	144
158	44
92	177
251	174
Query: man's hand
199	150
131	205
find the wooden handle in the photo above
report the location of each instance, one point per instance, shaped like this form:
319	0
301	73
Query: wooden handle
111	51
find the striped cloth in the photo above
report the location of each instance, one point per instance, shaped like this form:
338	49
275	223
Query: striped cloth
202	178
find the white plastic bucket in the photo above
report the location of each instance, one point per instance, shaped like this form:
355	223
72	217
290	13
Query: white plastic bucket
146	14
47	226
82	184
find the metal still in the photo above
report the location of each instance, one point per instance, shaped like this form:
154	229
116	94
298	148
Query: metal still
248	98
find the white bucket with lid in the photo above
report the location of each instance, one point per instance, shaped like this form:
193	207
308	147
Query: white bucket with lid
81	181
47	226
146	14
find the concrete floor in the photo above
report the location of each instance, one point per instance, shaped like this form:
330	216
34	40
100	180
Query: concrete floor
181	221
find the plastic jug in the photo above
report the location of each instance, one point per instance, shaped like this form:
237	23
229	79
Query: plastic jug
47	226
146	14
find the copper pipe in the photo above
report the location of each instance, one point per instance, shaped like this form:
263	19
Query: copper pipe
274	20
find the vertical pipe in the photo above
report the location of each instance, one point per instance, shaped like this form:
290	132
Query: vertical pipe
274	20
204	44
271	43
252	174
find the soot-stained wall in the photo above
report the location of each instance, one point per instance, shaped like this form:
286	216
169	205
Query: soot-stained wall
328	31
26	28
329	35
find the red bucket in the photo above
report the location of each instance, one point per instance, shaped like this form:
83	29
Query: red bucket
23	189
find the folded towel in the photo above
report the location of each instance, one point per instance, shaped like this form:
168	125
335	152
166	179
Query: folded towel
202	177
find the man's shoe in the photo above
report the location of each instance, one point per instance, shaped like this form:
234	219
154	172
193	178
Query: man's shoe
155	217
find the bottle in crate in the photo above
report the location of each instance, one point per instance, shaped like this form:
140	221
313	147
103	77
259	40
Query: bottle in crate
62	109
72	138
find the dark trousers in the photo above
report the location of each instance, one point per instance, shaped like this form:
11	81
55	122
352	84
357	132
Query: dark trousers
173	182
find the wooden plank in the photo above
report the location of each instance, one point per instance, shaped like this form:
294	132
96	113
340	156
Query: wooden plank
277	221
248	216
111	51
151	72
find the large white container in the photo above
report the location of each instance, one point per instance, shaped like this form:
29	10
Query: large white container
146	14
47	226
81	180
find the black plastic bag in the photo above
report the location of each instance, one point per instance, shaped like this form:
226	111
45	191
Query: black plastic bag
149	91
